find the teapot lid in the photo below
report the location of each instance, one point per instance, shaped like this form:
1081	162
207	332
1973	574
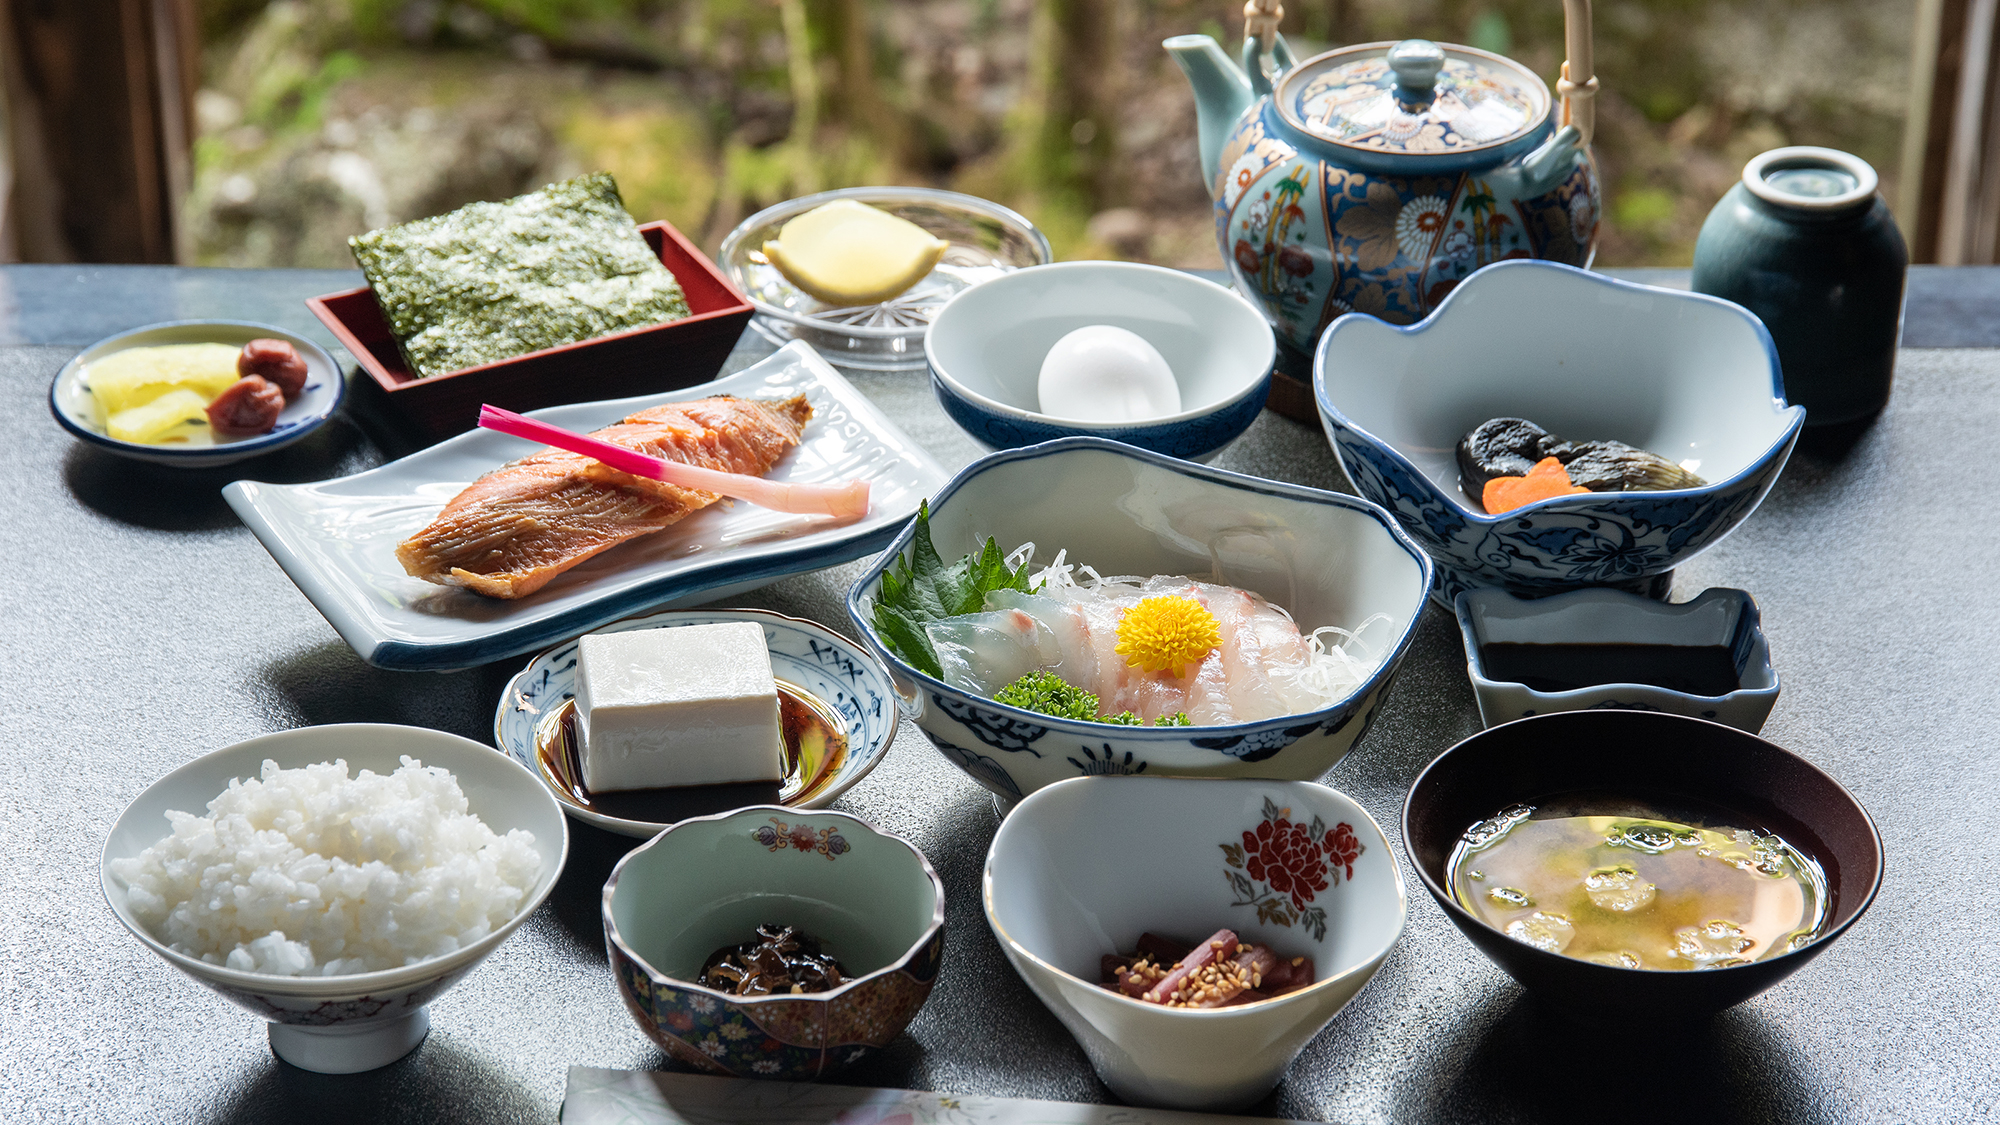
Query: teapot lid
1415	98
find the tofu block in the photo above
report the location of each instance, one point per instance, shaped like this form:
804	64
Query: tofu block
661	708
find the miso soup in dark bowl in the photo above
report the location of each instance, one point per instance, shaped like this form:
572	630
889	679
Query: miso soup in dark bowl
1790	823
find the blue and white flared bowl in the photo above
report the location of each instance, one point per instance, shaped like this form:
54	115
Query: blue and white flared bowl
1327	558
986	348
1692	378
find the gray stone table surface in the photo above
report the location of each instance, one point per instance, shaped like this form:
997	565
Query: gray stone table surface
142	625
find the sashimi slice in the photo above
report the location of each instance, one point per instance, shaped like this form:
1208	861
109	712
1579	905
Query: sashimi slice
984	652
515	529
1066	627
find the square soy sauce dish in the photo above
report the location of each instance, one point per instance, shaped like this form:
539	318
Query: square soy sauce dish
1610	650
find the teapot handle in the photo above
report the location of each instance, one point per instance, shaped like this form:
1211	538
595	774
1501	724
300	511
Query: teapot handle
1262	44
1578	107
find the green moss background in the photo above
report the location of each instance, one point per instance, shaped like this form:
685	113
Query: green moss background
324	118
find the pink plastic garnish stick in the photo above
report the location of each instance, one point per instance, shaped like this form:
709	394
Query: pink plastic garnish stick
846	499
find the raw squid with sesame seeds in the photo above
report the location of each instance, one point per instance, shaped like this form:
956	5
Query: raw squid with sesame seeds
1155	647
1221	972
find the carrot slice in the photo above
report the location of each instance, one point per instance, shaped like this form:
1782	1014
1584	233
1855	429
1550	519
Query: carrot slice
1548	478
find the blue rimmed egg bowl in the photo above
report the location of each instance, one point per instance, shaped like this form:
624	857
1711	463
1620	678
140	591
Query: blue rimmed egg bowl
1686	376
986	347
707	882
1720	617
1327	558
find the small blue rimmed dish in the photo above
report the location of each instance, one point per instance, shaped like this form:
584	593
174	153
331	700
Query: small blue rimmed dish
986	348
835	672
1616	632
78	411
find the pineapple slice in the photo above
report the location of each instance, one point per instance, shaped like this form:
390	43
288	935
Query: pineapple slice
175	414
137	376
848	253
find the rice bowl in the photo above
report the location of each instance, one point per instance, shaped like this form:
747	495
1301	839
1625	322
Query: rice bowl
362	1020
308	872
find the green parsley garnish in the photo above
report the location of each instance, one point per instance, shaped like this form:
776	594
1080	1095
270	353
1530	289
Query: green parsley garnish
1045	692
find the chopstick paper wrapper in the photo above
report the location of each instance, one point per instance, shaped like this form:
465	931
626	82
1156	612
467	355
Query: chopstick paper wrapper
657	1097
847	500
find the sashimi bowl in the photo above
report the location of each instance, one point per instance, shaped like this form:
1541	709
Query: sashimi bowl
1326	560
1688	377
1082	869
360	1021
869	898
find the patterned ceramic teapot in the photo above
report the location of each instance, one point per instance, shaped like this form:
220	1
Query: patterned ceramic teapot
1375	178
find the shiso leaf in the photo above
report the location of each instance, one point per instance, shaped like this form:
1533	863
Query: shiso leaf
491	281
921	589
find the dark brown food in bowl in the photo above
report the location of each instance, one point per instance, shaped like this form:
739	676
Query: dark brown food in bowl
250	405
1640	763
779	959
276	360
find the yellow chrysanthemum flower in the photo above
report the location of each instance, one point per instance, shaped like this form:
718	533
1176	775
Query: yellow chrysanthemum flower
1166	632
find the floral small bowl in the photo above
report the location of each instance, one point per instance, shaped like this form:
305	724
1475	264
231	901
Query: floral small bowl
1719	617
1327	558
986	348
344	1024
1081	869
1692	378
708	882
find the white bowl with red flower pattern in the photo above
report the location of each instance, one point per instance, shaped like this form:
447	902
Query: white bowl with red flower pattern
1081	868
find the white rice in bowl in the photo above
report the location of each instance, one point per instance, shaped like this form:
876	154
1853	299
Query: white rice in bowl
308	872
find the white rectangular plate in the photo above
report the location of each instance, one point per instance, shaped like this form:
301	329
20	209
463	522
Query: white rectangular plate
652	1097
336	539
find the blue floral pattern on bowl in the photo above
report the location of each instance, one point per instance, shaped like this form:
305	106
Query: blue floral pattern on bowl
1013	752
805	653
1623	540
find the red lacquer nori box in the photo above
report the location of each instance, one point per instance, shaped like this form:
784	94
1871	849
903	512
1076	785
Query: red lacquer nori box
638	361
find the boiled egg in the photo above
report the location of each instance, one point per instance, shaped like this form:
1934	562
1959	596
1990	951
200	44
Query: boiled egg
1103	373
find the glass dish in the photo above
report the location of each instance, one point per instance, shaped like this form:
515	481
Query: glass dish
986	239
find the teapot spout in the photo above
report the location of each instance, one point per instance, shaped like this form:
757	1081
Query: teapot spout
1221	94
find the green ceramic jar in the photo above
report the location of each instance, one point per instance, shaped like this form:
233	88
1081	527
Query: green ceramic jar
1807	244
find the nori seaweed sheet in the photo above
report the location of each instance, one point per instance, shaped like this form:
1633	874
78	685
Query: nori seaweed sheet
491	281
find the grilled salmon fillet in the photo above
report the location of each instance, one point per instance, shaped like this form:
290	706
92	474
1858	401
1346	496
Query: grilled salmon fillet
519	526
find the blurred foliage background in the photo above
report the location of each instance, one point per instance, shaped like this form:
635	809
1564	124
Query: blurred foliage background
319	119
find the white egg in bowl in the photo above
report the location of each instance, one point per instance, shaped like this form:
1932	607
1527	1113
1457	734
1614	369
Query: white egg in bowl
1084	349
